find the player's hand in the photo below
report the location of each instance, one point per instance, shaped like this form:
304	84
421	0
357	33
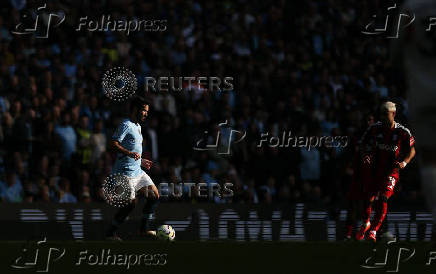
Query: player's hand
146	163
135	155
402	164
367	159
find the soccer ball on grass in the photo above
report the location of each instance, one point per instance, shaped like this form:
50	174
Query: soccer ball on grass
166	232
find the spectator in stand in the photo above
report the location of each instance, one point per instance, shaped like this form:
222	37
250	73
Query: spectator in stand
98	141
11	189
65	195
67	136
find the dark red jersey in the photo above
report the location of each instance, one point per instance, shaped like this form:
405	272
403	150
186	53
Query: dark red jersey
386	146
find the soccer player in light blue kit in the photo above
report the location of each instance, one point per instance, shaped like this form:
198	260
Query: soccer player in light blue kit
127	142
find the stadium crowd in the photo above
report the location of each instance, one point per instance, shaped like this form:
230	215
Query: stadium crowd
298	66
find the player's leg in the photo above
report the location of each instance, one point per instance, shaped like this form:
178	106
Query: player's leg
381	208
383	232
119	219
151	192
151	203
366	214
123	212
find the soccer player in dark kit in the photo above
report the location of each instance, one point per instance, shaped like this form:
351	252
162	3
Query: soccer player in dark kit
386	147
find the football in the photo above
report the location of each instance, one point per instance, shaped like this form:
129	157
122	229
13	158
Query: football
166	232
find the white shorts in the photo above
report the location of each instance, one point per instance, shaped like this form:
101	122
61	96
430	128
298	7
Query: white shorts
136	183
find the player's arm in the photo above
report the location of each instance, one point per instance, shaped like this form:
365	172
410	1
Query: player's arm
115	145
410	141
118	137
408	158
146	163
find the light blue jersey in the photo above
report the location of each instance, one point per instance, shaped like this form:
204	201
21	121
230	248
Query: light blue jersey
129	136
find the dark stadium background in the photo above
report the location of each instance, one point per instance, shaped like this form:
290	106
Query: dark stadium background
320	77
299	66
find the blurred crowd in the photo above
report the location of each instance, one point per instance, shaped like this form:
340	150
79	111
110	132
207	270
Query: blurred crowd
298	66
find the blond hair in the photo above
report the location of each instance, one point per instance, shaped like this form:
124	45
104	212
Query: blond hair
388	107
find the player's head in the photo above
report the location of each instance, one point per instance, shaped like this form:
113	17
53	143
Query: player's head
387	112
139	108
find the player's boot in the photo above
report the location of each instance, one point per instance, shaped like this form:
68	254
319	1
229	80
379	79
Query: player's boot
348	233
388	237
114	237
360	235
372	236
150	235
